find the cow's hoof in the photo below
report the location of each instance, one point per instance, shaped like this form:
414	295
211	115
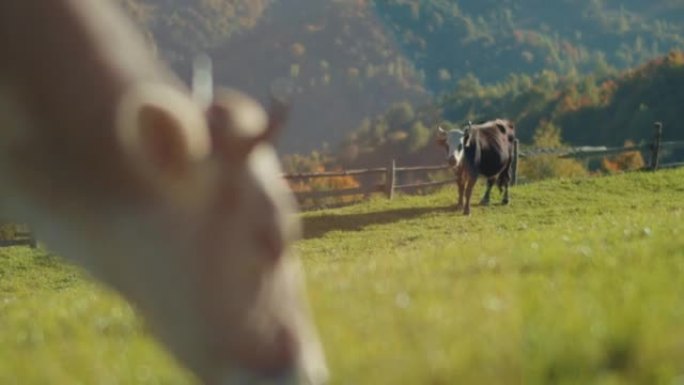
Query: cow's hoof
505	202
484	203
466	212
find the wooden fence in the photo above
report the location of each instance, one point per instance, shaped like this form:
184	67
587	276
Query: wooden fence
389	185
21	238
654	149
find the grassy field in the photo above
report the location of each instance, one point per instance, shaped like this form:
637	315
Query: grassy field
576	282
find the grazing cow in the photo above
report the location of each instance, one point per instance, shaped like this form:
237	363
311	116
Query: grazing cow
178	206
484	149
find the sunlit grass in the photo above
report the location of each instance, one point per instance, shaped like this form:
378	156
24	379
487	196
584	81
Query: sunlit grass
576	282
56	327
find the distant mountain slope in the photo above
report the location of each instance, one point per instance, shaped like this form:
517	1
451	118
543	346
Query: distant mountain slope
342	63
491	39
587	111
185	27
654	92
344	67
354	58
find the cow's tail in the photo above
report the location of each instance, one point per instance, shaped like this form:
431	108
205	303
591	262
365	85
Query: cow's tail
505	177
472	153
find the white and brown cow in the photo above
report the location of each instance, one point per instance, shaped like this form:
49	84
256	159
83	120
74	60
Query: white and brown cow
484	149
179	207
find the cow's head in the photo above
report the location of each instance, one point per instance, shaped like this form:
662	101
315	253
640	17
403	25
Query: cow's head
452	142
212	238
179	206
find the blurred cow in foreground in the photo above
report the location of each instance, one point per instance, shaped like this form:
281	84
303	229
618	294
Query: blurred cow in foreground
484	149
177	205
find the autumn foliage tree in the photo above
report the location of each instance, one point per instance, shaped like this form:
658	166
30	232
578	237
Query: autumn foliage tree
549	166
626	161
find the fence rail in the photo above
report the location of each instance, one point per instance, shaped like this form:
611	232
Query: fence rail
331	174
22	238
597	151
388	186
605	151
673	165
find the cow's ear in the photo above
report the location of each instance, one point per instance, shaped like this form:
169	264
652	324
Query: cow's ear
441	135
238	124
161	130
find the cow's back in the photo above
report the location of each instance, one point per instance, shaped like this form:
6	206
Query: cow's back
489	147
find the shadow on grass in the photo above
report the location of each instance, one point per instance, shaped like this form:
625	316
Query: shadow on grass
317	226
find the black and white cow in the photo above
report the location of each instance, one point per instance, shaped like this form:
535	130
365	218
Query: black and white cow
483	149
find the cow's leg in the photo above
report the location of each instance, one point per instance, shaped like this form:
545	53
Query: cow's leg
504	181
470	183
460	185
490	184
505	194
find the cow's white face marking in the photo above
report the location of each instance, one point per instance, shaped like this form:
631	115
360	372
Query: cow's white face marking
453	142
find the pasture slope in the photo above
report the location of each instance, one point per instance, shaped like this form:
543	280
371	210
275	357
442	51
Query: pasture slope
576	282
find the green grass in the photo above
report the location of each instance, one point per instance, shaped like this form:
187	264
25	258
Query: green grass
576	282
56	327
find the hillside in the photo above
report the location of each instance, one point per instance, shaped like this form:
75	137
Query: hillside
351	59
577	281
494	39
341	61
587	109
579	110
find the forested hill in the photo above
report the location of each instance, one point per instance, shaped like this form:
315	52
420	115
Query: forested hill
588	109
548	110
494	38
343	63
354	58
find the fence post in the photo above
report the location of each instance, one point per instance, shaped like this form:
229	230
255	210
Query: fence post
514	165
390	179
655	147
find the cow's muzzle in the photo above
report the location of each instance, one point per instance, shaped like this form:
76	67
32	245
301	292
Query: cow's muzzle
452	161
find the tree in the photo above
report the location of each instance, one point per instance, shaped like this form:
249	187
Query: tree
298	49
631	160
400	115
469	86
418	136
548	135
